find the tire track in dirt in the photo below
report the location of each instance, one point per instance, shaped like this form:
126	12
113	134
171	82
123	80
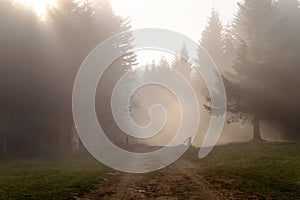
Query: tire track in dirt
181	180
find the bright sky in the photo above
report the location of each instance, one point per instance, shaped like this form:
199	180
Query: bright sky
188	17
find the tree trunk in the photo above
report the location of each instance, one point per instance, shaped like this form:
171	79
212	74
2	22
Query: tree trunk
4	145
256	128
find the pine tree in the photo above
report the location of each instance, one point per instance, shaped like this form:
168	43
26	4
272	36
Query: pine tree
263	85
246	87
164	64
285	62
229	48
212	40
182	65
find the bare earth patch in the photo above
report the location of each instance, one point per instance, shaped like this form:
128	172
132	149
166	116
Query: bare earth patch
181	180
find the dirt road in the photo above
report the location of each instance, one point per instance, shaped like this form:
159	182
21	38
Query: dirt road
181	180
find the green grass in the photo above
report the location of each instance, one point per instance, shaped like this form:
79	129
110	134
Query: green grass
48	179
264	171
248	171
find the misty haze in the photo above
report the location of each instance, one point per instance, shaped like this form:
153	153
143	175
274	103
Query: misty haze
251	50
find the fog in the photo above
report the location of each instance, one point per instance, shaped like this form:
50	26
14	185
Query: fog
255	45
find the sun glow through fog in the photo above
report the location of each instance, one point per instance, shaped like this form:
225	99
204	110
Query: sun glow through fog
38	6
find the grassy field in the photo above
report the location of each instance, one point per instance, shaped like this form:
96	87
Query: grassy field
245	171
48	179
262	171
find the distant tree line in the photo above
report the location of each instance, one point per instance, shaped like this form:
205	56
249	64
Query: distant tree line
257	53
